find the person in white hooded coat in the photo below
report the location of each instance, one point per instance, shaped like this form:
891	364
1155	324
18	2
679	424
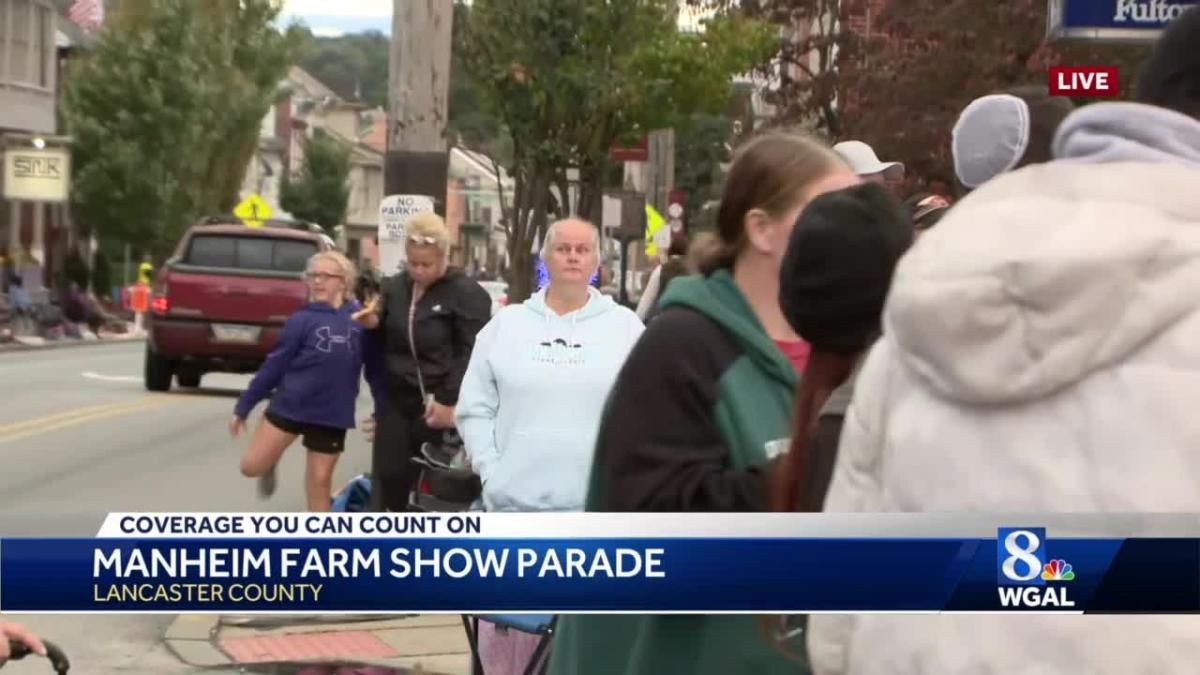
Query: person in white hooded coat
1041	353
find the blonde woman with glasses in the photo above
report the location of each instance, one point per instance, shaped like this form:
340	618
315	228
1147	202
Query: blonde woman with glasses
312	377
426	317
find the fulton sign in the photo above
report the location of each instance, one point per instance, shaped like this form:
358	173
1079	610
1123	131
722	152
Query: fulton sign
1117	20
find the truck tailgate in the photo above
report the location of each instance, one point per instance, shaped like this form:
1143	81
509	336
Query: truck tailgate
233	298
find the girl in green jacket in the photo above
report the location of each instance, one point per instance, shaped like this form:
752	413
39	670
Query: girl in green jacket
702	408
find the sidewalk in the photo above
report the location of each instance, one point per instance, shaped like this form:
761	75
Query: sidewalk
27	342
425	645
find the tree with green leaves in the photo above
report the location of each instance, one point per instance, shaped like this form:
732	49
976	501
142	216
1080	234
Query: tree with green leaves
471	123
321	193
165	112
353	65
700	150
818	35
567	80
249	56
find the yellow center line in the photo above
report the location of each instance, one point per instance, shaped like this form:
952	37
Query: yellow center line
42	425
88	410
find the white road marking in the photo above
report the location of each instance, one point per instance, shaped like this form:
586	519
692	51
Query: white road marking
111	378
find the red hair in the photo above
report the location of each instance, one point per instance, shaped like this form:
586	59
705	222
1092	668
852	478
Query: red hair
792	486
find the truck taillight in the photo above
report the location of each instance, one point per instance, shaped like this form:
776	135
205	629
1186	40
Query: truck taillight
159	304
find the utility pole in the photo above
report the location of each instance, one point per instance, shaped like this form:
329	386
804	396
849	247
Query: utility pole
418	93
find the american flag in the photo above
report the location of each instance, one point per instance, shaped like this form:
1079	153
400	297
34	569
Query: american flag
88	14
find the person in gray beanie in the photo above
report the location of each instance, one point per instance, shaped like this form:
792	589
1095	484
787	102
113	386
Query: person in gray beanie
1004	132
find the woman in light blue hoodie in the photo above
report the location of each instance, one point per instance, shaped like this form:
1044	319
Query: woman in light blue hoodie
532	397
531	401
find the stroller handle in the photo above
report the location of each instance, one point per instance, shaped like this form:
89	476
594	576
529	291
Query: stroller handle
57	657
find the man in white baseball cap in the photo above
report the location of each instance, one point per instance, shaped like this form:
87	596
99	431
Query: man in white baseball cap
864	162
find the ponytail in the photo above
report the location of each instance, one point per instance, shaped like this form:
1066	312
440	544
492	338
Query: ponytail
717	256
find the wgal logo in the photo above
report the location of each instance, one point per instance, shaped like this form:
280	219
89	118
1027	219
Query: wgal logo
1022	570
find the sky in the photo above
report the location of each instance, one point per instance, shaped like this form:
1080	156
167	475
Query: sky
331	18
336	17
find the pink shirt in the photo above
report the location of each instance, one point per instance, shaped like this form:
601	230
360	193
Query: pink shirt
796	351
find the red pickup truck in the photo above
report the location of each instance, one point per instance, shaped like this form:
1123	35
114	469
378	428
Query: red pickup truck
221	300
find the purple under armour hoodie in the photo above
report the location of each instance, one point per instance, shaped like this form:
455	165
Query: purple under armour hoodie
314	371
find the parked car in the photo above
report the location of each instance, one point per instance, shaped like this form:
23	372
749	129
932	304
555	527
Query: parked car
498	291
220	302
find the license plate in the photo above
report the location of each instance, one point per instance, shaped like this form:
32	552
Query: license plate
227	332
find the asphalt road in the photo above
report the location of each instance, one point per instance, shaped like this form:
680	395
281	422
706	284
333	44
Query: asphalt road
80	437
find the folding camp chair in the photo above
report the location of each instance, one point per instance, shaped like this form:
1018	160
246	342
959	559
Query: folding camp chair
355	497
534	624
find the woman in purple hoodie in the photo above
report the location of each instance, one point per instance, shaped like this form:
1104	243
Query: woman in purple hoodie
312	377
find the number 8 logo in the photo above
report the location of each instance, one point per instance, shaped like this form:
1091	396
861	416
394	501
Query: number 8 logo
1023	554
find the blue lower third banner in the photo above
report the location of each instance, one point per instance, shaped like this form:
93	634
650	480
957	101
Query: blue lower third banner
1017	571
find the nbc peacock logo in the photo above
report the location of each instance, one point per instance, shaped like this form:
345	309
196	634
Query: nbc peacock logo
1058	570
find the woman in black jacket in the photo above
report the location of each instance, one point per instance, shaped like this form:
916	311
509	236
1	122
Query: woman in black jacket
426	318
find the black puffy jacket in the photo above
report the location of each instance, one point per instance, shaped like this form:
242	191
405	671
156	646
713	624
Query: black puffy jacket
446	320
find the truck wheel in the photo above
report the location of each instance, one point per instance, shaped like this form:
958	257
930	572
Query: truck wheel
189	378
158	371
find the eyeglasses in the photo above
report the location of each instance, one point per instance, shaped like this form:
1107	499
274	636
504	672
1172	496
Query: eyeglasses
321	276
418	239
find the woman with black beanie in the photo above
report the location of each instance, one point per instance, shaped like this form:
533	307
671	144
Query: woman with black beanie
832	287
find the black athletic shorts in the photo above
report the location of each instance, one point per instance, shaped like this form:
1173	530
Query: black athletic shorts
326	440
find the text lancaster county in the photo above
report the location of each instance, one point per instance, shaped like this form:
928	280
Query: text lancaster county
210	592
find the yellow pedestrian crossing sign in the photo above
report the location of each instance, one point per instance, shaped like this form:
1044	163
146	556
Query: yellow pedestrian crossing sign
654	224
253	210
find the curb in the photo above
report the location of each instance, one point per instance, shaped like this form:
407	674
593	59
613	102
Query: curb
433	645
14	346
